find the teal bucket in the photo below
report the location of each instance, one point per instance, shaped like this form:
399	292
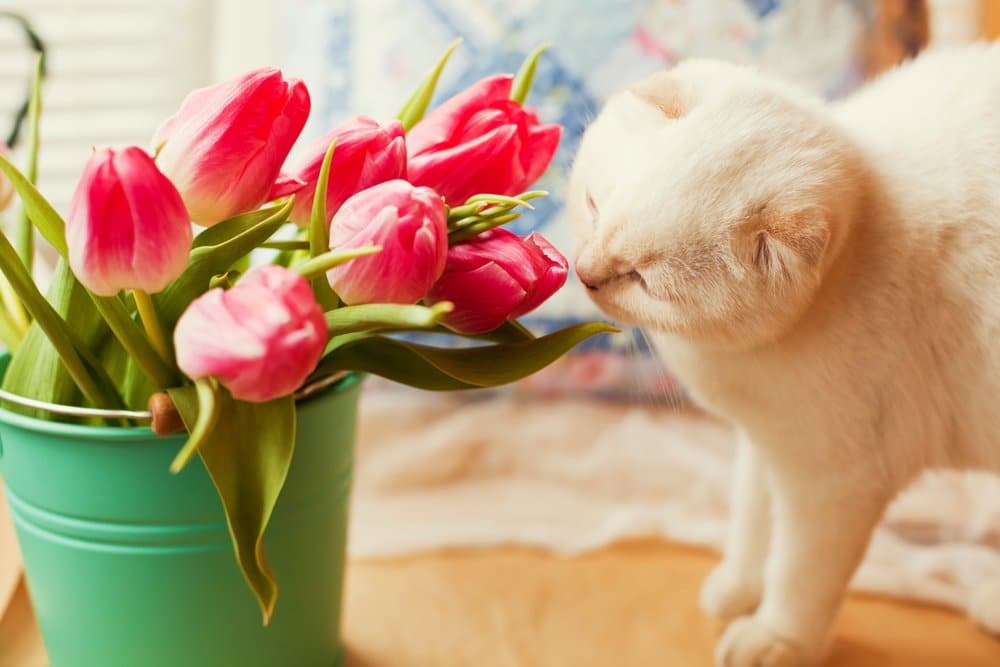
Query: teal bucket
130	566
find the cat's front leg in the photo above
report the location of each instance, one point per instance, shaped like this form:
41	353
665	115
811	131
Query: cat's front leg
823	519
734	587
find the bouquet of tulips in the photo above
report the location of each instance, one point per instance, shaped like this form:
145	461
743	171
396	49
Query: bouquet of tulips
381	229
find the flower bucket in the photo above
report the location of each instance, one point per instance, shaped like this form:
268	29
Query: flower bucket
130	565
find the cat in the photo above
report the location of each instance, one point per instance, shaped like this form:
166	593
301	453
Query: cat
824	276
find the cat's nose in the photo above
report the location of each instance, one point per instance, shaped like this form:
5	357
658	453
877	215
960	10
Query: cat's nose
587	271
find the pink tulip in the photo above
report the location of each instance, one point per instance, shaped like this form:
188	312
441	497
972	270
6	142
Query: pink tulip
260	339
225	146
409	224
480	141
498	276
127	226
6	188
366	154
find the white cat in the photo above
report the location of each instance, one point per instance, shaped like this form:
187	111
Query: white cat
827	278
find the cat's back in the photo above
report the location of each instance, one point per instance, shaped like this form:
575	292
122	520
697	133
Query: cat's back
932	128
948	94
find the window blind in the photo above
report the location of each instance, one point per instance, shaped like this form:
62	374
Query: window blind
116	69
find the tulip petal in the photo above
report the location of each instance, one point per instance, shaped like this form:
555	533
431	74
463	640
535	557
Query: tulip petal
409	224
487	164
441	124
224	148
483	298
285	185
128	227
272	335
540	148
366	154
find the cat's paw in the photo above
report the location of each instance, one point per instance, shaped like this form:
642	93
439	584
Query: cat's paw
749	643
984	608
729	593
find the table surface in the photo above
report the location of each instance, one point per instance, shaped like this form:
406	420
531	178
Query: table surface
631	605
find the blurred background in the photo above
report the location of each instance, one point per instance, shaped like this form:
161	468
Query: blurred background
497	529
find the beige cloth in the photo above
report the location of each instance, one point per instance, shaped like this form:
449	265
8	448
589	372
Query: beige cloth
572	476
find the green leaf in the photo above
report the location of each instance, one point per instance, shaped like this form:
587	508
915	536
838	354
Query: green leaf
207	393
214	254
24	237
449	369
526	75
510	331
55	329
286	245
318	266
319	238
415	108
229	229
39	210
247	454
367	317
135	342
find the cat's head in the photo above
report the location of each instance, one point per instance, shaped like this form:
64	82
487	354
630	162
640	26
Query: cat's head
708	201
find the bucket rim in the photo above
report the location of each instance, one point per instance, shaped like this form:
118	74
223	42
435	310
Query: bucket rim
333	385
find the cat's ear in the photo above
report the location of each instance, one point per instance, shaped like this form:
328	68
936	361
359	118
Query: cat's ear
777	243
663	91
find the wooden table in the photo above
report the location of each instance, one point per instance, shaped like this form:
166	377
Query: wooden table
631	605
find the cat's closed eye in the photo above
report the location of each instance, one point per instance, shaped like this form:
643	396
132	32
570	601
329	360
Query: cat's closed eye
592	207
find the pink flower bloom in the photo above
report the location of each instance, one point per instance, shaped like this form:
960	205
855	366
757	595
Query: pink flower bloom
6	188
261	339
225	146
366	154
480	141
127	226
410	225
498	276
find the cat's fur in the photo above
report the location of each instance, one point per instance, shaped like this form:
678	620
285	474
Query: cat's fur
827	278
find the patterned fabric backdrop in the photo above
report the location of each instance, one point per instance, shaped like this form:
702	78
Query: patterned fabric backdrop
365	56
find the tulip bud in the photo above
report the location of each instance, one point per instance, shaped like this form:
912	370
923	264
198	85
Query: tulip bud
366	154
6	188
225	146
409	224
261	339
127	226
480	141
498	276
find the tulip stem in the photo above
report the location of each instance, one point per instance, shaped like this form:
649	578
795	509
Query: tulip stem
317	266
129	334
151	323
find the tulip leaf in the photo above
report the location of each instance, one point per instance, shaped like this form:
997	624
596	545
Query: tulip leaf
317	266
37	370
526	75
134	341
510	331
232	227
449	369
247	454
207	392
415	108
38	209
215	254
319	237
54	327
24	237
373	316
